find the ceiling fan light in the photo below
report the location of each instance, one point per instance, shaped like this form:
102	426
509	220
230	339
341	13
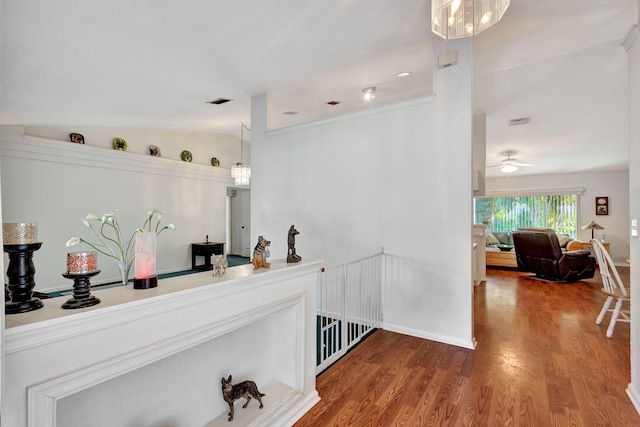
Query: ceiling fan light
508	168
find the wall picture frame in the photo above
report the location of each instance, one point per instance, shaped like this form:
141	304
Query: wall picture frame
602	205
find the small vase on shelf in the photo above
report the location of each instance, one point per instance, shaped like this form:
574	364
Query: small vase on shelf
124	267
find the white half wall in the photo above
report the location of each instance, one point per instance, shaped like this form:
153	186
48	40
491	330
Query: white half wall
56	184
396	177
614	184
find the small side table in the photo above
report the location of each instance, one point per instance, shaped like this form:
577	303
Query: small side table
205	249
587	246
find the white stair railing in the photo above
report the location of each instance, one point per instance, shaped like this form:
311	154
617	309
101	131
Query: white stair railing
349	307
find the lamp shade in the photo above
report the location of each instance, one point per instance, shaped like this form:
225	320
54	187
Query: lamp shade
592	226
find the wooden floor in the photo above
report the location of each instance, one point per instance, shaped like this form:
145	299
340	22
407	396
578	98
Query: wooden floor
540	361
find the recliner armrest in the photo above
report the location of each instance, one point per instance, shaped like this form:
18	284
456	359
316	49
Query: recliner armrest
577	254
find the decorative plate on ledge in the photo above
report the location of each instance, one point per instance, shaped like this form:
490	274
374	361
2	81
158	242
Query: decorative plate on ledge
154	150
76	138
186	156
119	144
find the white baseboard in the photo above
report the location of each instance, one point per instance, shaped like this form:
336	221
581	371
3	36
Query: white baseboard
634	395
430	336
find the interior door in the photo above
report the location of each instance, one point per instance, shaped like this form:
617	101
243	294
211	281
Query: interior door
240	221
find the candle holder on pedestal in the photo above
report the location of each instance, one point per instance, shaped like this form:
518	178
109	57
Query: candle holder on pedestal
81	291
21	272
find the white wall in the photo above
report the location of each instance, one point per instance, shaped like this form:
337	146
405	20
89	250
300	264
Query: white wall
397	177
56	184
614	184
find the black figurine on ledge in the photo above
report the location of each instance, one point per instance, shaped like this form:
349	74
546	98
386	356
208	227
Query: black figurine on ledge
291	240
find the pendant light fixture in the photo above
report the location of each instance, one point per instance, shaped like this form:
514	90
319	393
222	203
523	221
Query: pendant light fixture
453	19
240	172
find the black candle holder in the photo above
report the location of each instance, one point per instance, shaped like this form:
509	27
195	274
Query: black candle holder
81	291
21	282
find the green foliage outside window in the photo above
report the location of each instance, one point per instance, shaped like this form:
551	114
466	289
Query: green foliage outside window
559	212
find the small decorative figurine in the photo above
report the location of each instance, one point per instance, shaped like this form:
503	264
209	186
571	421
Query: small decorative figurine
246	389
259	260
291	240
219	265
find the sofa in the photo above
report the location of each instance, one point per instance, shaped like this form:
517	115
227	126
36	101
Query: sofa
500	248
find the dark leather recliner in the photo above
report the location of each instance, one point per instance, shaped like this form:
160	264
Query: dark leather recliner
538	251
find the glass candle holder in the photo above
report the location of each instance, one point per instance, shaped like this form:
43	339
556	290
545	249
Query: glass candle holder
82	262
144	276
19	233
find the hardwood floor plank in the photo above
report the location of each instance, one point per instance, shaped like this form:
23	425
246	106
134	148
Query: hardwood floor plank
540	361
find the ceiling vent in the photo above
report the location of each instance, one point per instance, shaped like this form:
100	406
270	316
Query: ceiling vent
520	121
219	101
290	113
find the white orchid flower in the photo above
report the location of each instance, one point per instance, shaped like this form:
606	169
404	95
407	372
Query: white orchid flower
111	241
73	241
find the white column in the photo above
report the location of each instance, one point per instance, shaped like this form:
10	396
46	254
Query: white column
631	44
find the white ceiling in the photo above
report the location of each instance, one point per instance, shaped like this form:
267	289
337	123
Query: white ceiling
153	64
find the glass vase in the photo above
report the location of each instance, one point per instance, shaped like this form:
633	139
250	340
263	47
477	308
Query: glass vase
124	267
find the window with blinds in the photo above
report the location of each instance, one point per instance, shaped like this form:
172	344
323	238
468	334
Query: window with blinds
559	212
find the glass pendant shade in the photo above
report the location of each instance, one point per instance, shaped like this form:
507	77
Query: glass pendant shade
453	19
241	173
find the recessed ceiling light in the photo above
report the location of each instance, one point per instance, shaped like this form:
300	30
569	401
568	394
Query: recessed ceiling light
290	113
332	102
403	74
219	101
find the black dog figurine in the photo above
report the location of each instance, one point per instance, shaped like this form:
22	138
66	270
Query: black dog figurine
246	389
291	241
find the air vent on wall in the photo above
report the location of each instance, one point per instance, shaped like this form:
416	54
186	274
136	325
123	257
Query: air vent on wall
219	101
520	121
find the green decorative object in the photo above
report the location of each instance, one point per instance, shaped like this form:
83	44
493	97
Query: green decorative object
215	161
186	156
119	144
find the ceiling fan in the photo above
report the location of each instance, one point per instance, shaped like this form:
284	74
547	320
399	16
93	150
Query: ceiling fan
509	165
